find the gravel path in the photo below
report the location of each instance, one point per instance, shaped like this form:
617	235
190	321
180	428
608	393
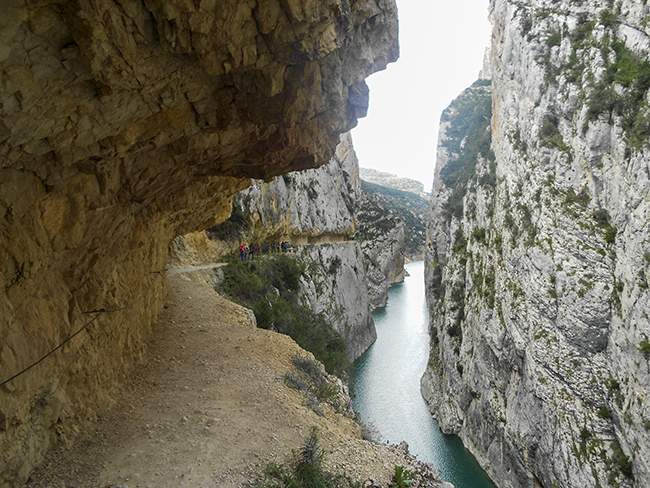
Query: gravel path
208	407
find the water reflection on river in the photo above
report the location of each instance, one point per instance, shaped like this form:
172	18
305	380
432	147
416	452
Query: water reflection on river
387	385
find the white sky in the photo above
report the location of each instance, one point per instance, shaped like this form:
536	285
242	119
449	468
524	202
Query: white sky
442	43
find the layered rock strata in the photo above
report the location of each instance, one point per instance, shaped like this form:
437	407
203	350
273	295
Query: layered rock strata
538	251
123	125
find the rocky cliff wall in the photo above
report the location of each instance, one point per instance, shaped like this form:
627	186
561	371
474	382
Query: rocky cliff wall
538	251
123	125
319	206
382	240
335	285
310	206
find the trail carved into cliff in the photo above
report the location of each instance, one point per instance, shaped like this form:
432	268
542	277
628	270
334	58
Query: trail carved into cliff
208	407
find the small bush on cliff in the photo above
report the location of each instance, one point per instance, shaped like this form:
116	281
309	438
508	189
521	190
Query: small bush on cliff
402	478
644	347
270	287
609	231
620	463
306	470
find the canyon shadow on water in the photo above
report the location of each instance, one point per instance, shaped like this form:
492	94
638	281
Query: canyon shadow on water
387	385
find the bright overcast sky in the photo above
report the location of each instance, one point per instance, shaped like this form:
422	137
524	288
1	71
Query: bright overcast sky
442	43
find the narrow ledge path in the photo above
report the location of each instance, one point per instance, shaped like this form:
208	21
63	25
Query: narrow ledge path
208	407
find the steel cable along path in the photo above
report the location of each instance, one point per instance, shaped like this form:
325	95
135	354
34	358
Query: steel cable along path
99	313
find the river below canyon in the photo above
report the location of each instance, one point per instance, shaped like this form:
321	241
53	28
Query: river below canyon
387	385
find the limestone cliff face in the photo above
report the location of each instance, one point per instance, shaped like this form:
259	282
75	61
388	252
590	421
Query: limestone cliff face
382	240
539	248
335	285
326	205
123	125
307	207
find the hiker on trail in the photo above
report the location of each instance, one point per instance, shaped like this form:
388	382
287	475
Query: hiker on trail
242	254
252	251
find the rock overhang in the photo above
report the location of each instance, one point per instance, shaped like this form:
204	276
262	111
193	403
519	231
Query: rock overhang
124	124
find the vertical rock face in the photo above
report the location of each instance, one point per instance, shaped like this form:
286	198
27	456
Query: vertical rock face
539	249
336	286
328	205
307	207
382	241
123	125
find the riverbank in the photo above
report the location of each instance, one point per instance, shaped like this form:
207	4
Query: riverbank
208	407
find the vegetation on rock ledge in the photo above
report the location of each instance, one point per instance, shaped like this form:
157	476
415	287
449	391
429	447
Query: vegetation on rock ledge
270	286
467	137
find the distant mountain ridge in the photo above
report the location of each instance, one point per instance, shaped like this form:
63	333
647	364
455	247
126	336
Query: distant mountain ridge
393	181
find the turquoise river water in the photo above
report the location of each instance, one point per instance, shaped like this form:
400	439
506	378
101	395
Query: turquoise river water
387	385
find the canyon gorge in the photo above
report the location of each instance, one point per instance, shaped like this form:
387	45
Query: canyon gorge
124	125
129	126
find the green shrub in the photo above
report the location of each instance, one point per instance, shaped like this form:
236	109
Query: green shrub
263	314
608	18
460	243
612	384
270	288
632	72
620	460
644	347
306	470
455	330
554	39
604	413
610	234
402	478
335	265
478	235
601	217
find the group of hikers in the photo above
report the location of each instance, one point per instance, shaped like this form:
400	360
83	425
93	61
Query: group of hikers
248	251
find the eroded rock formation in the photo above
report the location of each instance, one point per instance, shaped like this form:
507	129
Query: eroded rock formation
125	124
538	250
